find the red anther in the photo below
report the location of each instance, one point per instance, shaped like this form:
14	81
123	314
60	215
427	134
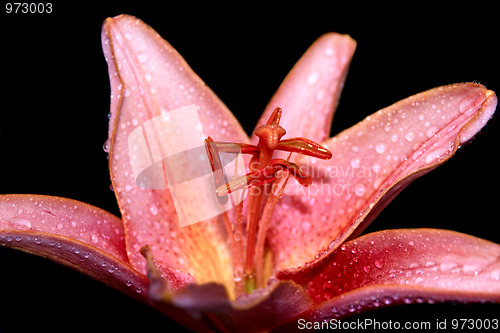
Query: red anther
219	177
280	164
275	117
236	148
305	147
265	175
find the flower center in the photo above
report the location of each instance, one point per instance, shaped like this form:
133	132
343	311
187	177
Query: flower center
267	176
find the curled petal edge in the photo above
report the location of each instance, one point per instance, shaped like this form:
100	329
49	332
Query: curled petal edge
81	257
209	307
393	267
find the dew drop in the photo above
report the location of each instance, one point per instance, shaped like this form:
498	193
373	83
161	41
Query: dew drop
359	189
467	106
142	57
105	146
94	239
380	147
431	131
409	136
378	264
153	210
19	223
495	275
59	226
447	267
306	226
355	163
312	78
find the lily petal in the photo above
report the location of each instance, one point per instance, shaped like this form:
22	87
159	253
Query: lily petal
404	266
209	305
372	162
310	92
71	233
148	78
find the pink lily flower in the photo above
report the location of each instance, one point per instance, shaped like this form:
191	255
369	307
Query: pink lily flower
314	267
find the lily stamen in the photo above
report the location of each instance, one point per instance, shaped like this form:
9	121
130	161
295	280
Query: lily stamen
263	170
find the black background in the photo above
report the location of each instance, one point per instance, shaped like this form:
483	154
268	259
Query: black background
55	99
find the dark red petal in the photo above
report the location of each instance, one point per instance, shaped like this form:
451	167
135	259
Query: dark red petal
209	305
71	233
402	266
63	217
372	162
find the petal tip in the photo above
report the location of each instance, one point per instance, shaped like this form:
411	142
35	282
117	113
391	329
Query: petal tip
483	113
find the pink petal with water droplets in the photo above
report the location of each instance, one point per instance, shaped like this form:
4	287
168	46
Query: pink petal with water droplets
310	92
63	217
149	77
372	162
401	267
72	233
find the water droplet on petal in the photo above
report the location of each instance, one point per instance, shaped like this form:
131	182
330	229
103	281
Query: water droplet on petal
380	147
378	264
142	57
94	239
495	275
409	136
19	223
153	210
355	163
312	78
359	189
431	131
447	267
